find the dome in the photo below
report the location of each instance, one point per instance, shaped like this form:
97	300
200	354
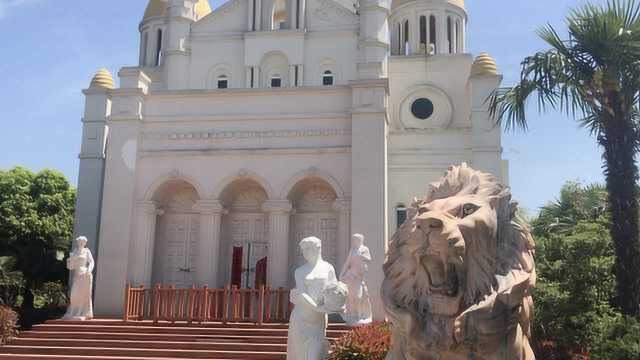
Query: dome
398	3
484	65
159	8
102	80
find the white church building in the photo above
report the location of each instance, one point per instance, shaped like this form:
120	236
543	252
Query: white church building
245	128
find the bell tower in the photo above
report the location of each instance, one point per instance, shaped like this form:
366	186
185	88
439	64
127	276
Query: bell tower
369	139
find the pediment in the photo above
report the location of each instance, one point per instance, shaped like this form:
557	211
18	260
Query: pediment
230	17
331	13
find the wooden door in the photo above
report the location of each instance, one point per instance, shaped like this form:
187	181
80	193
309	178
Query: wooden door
321	225
181	245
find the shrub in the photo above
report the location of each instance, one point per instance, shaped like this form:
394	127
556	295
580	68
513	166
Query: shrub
369	342
620	340
8	324
11	282
51	296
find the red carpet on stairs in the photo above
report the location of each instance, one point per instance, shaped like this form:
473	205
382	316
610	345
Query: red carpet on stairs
115	339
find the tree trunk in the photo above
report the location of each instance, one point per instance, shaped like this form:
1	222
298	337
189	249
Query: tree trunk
27	297
621	173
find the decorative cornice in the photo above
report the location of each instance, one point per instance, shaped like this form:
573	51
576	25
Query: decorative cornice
342	205
277	206
246	152
209	207
214	136
149	207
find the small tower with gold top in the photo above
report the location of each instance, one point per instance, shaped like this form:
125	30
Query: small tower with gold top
92	156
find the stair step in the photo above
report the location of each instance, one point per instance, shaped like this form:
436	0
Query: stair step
75	357
250	325
153	337
257	331
135	353
113	339
174	345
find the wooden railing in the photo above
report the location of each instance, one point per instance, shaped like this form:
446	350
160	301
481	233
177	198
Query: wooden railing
230	304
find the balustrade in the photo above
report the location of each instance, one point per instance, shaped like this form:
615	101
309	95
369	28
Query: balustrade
201	305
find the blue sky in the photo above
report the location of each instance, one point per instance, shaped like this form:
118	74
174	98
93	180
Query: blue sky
51	48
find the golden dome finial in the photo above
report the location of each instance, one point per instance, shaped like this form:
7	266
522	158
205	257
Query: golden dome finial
484	65
102	80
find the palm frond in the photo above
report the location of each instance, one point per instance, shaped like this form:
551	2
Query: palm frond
599	56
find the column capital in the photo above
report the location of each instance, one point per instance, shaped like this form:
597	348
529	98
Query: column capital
148	207
208	207
342	205
277	206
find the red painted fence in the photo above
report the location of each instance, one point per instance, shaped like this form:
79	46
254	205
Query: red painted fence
199	305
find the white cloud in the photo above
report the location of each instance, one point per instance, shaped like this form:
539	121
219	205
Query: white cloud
6	6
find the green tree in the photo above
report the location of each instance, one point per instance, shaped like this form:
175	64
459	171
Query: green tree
575	286
576	203
576	283
36	225
594	75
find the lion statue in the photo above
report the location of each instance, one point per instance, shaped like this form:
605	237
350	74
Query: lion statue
459	274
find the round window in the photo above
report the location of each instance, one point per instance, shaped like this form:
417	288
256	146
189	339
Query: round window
422	108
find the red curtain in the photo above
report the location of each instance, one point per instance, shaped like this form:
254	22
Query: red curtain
236	266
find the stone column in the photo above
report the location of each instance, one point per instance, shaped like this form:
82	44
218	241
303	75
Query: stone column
303	15
292	76
248	77
292	18
256	77
250	15
209	242
301	75
278	265
258	15
142	248
343	208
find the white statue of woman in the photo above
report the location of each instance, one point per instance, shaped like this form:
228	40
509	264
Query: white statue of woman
308	323
353	275
80	263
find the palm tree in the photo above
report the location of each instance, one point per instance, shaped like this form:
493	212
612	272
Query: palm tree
594	76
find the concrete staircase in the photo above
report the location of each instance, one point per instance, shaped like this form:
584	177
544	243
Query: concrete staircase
115	339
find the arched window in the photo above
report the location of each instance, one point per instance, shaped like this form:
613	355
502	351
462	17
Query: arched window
450	34
279	15
143	49
223	82
405	40
276	81
433	33
401	215
423	34
158	58
327	78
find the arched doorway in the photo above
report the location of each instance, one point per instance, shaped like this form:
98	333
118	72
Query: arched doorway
313	215
245	235
177	234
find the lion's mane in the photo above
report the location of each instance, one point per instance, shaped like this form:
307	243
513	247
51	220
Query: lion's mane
499	271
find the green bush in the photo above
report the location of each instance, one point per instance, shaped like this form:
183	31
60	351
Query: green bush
574	315
369	342
51	296
11	282
36	226
8	324
620	340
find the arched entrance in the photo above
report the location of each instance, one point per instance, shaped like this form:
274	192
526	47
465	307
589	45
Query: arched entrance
177	234
245	235
313	215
